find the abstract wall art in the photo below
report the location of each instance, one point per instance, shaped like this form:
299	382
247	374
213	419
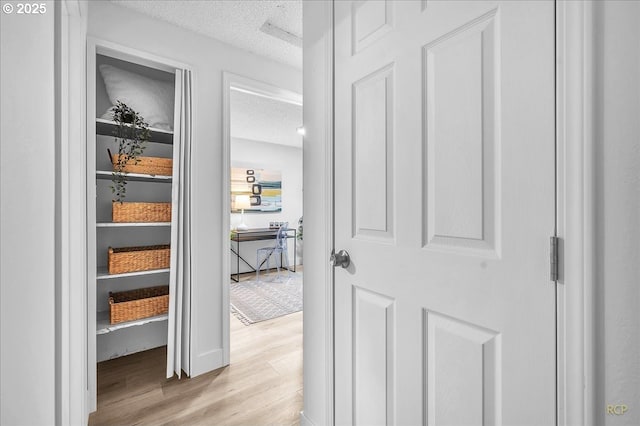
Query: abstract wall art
264	188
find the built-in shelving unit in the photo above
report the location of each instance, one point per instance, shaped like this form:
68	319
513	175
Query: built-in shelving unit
115	340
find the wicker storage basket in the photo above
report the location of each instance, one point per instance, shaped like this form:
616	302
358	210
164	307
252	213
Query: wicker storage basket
136	304
132	259
147	165
140	212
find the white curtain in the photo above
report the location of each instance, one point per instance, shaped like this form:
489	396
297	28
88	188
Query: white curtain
178	343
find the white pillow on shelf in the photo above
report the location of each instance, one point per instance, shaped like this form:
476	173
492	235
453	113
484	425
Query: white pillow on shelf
152	99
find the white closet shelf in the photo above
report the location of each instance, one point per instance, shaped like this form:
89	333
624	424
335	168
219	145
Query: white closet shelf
131	224
139	177
109	127
103	273
104	326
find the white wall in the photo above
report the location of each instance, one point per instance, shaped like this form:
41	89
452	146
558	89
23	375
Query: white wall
208	59
27	214
257	154
617	125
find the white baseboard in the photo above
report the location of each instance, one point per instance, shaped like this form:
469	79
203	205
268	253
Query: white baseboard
206	362
304	420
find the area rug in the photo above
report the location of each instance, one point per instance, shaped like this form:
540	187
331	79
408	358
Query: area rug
254	301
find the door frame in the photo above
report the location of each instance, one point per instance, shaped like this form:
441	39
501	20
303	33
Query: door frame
258	88
73	399
318	113
575	218
575	195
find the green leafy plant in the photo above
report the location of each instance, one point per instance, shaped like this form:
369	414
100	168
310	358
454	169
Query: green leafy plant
132	134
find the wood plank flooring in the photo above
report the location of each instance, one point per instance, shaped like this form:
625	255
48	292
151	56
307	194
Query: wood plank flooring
262	386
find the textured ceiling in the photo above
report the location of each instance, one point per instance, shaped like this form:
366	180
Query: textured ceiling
235	22
264	119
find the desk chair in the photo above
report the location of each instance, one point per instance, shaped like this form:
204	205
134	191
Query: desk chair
264	254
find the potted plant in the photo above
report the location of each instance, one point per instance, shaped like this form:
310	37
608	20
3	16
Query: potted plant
132	134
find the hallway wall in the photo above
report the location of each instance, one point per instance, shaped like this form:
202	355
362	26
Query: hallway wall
27	215
617	127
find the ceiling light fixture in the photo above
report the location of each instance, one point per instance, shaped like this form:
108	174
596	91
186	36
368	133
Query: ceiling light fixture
284	35
301	130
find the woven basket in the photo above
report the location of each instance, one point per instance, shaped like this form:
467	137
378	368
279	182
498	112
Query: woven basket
147	165
133	259
140	212
136	304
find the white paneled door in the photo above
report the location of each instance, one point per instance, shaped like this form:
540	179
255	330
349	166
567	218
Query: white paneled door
444	198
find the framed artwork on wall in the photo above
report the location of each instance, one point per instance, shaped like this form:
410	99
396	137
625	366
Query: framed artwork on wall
264	188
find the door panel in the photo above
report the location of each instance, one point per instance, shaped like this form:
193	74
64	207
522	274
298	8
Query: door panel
372	171
444	171
371	21
462	372
373	347
460	89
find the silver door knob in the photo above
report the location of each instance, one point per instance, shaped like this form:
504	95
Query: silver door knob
340	258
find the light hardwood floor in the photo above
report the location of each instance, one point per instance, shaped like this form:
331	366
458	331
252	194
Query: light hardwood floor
262	386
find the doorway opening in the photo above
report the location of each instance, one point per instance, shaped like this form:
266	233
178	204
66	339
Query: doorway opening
263	138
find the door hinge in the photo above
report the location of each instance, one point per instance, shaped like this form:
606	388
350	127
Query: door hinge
553	257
